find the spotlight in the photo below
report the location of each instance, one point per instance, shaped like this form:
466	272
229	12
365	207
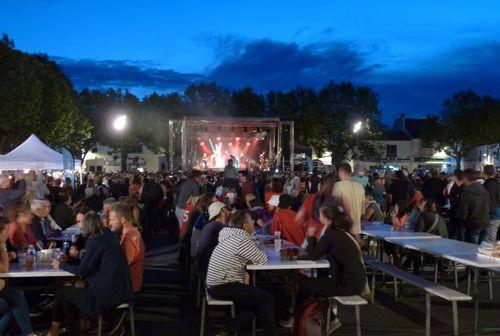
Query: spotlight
202	143
237	138
248	143
218	138
230	144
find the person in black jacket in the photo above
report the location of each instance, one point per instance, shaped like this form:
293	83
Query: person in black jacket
62	212
454	229
400	189
106	277
347	271
493	187
473	209
433	188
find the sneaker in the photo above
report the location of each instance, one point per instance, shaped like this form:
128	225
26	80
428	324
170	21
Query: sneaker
334	325
287	323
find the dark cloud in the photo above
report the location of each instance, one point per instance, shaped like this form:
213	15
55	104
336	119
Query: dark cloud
266	64
123	74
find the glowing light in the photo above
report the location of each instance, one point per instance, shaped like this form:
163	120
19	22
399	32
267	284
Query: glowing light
202	143
120	123
357	127
218	138
237	138
248	143
230	144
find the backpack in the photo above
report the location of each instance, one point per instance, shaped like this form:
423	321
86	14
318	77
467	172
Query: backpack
310	318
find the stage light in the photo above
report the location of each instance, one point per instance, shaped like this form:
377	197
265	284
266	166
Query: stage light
202	143
120	122
237	139
218	138
248	143
230	144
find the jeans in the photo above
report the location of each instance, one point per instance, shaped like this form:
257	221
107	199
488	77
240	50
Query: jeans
475	236
18	310
179	213
491	231
247	301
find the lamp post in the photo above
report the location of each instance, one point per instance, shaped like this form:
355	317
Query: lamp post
356	129
119	125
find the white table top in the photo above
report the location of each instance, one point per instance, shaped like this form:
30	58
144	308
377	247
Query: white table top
276	263
475	260
382	233
39	271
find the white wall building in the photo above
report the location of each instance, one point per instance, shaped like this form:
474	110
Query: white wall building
483	155
102	158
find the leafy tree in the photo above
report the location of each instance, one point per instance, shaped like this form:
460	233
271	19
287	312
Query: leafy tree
247	103
466	121
36	97
208	99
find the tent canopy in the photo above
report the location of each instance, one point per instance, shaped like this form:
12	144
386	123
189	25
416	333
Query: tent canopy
32	154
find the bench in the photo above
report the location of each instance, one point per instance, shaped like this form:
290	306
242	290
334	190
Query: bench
354	300
430	287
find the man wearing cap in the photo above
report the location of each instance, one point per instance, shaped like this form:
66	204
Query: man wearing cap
284	221
218	215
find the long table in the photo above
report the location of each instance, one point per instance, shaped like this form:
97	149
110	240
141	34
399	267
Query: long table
276	263
39	271
385	231
456	251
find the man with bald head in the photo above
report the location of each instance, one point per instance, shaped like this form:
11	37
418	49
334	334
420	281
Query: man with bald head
9	195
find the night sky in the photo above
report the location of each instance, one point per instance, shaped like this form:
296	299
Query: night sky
413	53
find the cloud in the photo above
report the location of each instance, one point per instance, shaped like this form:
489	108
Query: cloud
123	74
267	64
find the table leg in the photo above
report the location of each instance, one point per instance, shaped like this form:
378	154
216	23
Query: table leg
476	301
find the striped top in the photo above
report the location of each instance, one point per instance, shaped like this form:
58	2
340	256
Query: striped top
229	259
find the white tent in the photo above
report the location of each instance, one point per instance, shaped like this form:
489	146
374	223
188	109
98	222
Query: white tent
32	154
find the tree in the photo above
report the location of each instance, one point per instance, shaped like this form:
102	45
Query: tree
36	97
329	125
208	99
247	103
466	121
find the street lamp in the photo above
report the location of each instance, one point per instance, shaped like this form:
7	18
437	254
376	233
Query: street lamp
356	129
119	125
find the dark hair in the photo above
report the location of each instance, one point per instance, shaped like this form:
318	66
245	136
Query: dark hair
195	174
122	209
92	224
330	212
83	210
402	208
459	174
489	170
239	219
276	185
3	222
345	167
244	173
324	195
431	206
400	174
470	174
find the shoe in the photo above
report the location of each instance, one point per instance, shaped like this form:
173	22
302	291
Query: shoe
334	325
287	323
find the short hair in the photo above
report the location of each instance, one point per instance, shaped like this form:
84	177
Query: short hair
345	167
400	174
195	173
458	174
37	204
123	210
489	170
82	210
92	224
470	174
431	206
239	219
369	195
330	212
109	201
243	173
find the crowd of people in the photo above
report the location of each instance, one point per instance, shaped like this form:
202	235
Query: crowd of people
214	216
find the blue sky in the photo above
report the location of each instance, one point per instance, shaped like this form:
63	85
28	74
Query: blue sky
414	54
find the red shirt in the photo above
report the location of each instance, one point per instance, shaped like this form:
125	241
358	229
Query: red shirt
185	219
284	221
308	207
19	238
133	246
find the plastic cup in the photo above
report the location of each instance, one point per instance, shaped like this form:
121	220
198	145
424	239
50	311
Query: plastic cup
29	262
277	245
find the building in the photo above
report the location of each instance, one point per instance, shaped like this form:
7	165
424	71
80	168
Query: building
402	147
483	155
103	158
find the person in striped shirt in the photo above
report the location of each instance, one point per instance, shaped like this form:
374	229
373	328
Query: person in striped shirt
227	278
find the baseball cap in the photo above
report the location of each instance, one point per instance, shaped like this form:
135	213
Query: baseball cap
214	209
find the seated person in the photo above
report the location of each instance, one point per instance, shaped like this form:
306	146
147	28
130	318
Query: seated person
42	225
347	270
373	212
227	278
20	235
104	270
431	222
78	244
399	215
415	214
12	300
121	220
62	212
261	215
218	215
284	221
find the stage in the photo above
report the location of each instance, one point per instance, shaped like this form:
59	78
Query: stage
252	143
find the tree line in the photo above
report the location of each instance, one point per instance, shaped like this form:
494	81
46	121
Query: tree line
36	97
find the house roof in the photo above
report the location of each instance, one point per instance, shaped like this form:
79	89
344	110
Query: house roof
396	136
414	127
